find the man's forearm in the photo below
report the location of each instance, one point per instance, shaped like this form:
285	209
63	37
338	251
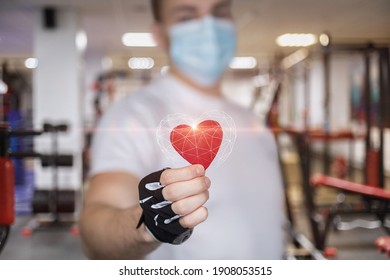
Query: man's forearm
109	233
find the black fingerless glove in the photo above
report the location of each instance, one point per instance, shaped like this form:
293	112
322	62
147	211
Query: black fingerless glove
157	215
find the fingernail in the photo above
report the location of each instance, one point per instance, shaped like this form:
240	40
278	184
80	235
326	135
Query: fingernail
199	170
207	180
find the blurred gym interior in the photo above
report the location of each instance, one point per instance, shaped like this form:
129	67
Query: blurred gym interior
316	73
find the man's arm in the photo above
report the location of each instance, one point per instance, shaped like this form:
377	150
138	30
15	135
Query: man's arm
111	211
109	219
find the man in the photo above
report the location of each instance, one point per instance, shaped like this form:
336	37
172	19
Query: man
244	214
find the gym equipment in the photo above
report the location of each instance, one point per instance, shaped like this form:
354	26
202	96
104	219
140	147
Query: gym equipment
7	213
374	199
298	239
54	202
7	189
303	247
322	218
64	201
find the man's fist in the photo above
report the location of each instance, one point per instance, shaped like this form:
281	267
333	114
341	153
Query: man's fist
172	201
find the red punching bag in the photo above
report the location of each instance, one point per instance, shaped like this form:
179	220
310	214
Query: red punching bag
7	197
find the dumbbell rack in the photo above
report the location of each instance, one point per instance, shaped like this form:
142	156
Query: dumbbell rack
53	209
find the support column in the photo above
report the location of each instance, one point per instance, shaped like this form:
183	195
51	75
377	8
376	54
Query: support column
57	93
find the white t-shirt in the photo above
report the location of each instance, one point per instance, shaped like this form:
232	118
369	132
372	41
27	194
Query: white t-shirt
246	209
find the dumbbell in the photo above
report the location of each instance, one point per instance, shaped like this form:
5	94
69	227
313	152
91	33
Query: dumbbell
64	200
47	127
46	160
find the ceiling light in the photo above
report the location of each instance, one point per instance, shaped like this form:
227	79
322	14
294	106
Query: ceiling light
31	63
138	40
3	87
324	40
243	63
140	63
296	40
81	41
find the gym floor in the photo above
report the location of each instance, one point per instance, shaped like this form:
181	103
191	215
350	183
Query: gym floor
45	244
60	244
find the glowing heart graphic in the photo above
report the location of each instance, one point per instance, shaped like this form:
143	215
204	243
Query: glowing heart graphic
209	138
198	144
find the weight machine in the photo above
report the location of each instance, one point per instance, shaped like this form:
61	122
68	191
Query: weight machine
374	197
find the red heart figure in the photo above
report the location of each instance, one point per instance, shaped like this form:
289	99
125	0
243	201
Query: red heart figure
199	144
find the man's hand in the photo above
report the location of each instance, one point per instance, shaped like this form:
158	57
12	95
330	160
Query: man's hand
173	201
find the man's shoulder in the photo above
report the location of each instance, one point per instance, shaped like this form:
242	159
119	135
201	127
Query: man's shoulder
147	94
240	113
139	103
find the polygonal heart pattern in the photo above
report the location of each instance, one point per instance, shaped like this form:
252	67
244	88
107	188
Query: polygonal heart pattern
199	144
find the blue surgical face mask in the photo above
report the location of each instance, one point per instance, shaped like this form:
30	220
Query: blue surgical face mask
202	49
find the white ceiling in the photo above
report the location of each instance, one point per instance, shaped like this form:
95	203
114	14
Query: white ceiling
259	21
